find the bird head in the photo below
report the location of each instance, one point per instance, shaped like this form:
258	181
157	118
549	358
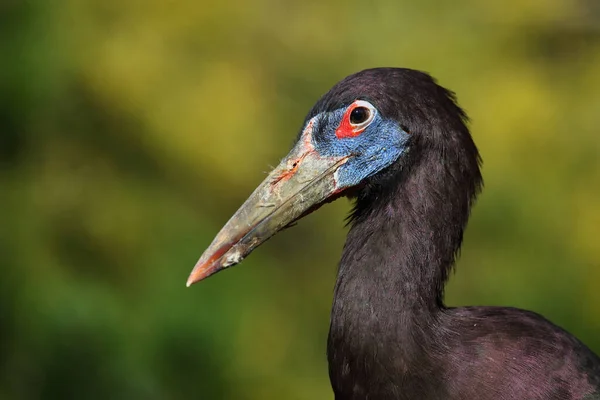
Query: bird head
362	126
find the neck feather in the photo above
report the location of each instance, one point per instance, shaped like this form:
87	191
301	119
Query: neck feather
405	232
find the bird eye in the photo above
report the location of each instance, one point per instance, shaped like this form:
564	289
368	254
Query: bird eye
356	118
359	115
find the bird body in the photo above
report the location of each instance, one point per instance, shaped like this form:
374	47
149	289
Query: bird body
398	143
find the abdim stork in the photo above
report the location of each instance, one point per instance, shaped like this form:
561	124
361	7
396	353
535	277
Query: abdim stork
398	143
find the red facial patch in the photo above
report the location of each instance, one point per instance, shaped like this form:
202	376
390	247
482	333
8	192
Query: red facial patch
346	129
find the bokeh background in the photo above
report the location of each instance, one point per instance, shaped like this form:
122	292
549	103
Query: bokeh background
131	130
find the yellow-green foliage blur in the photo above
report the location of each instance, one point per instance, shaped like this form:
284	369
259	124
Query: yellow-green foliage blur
131	130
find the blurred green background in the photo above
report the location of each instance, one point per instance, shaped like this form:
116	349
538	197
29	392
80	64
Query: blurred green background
132	130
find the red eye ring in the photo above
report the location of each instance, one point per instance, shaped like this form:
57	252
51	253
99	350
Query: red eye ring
356	118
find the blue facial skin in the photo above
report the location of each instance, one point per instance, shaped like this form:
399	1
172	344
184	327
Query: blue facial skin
376	148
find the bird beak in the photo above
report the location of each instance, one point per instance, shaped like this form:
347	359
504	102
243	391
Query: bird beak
302	182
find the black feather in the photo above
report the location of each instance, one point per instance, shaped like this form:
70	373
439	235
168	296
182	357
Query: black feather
391	336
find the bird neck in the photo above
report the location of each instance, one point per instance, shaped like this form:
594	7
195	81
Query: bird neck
405	232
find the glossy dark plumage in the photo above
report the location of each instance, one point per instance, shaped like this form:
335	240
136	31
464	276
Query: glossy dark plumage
409	160
391	337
